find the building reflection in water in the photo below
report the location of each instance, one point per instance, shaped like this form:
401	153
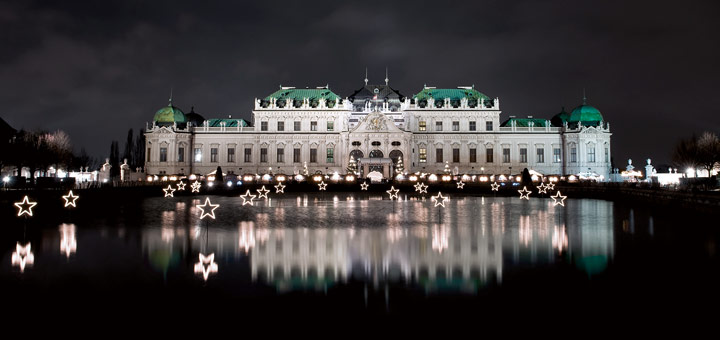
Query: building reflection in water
68	242
23	256
314	245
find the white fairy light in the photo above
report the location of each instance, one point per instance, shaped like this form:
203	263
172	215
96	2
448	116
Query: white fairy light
247	198
364	186
181	186
421	187
495	186
550	186
439	199
22	256
169	191
195	186
262	192
558	199
279	188
25	211
460	185
542	188
393	192
206	265
70	199
524	193
322	185
209	206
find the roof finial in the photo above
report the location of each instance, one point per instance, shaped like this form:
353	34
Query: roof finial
366	80
170	103
584	97
387	80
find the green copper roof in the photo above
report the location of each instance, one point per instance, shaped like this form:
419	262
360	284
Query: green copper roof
300	94
228	122
585	114
169	114
455	96
525	122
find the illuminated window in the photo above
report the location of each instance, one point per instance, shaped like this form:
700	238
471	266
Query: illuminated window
330	156
330	126
423	155
313	126
422	126
198	155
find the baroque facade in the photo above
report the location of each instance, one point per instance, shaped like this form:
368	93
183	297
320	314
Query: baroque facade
431	131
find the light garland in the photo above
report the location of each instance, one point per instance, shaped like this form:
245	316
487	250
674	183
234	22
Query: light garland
70	199
169	191
248	198
195	186
393	192
494	186
280	188
206	265
524	193
25	211
209	205
558	199
364	186
439	199
460	185
181	186
322	185
22	256
421	187
262	192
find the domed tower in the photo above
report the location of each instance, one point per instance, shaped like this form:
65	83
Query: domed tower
585	115
559	119
194	118
170	115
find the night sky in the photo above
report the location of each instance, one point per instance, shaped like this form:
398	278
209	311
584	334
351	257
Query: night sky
96	69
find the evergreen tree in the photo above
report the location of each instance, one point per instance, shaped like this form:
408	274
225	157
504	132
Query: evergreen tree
305	169
447	168
114	159
399	168
352	166
129	148
139	151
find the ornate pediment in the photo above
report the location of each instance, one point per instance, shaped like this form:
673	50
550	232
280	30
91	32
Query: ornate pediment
376	122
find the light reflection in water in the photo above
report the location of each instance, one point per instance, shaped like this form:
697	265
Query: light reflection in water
23	256
206	265
68	243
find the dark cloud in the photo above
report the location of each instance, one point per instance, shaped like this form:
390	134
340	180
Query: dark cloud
96	69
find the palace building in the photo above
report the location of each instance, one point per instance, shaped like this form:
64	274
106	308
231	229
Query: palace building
377	127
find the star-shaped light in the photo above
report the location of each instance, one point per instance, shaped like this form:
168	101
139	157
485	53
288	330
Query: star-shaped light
22	256
393	192
364	186
550	186
322	185
70	199
181	186
421	187
460	185
169	191
525	193
195	186
248	198
279	188
542	188
439	199
262	192
206	265
494	186
211	207
558	199
25	207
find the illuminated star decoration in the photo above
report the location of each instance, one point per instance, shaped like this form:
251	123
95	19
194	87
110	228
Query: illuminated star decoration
495	186
206	266
169	191
364	186
421	188
439	199
524	193
262	192
181	186
70	199
22	256
195	186
393	192
550	186
25	203
279	188
248	198
460	185
542	188
322	185
558	199
208	206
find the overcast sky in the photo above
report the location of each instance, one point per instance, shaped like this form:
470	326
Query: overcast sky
97	68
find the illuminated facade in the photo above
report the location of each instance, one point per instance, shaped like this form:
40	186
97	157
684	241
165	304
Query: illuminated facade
377	125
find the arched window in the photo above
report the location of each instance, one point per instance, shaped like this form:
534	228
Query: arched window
395	154
376	154
356	154
375	143
395	143
356	143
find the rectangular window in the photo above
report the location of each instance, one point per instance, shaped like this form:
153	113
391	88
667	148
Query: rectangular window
591	154
456	126
330	156
313	126
231	155
423	155
281	126
607	155
473	155
472	126
540	155
456	155
489	155
213	155
296	155
438	126
330	126
296	126
313	155
439	155
506	155
280	155
422	126
556	155
263	126
181	155
248	155
163	154
523	155
198	155
263	155
488	125
148	155
573	155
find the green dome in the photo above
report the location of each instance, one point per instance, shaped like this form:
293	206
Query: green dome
586	114
560	118
170	114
